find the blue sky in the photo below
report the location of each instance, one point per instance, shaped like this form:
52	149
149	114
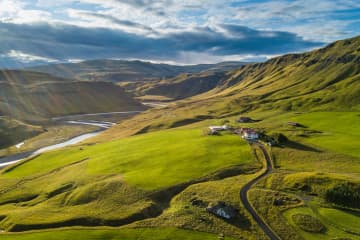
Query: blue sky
181	32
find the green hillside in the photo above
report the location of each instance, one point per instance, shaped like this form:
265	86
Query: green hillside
161	170
322	80
28	96
113	183
319	90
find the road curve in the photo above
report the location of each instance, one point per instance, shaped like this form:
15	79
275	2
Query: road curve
244	196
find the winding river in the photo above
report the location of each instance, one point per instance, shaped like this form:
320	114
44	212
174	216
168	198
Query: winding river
9	160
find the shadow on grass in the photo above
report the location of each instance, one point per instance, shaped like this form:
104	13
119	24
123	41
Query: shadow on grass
300	146
240	221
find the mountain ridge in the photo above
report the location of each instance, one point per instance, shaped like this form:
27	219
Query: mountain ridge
30	95
122	70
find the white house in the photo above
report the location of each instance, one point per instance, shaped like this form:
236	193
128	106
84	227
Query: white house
215	129
249	134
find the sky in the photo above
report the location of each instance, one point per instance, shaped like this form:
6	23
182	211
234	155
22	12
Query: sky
170	31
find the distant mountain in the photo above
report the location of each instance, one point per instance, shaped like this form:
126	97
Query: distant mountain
183	85
328	78
123	71
31	95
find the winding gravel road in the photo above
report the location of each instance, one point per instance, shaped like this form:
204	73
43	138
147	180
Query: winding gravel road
244	196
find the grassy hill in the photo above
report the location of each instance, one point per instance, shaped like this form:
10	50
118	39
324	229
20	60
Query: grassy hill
320	90
159	170
121	70
322	80
31	95
113	183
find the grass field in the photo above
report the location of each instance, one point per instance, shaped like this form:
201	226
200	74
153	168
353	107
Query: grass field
184	213
104	184
327	141
114	234
343	219
166	158
332	231
340	131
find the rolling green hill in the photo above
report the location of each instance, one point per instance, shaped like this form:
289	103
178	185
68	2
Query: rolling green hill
114	183
30	96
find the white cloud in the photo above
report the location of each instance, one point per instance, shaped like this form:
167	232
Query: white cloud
195	28
27	58
15	11
299	16
190	57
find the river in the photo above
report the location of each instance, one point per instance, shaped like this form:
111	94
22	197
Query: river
9	160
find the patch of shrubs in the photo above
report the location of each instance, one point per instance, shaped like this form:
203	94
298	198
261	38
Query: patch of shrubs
276	138
345	194
308	223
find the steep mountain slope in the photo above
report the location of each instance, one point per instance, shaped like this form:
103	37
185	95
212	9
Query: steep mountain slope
184	85
323	79
29	95
327	79
119	70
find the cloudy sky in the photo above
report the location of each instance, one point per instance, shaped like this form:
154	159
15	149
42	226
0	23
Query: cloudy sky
171	31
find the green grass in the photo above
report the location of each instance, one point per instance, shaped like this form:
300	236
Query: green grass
308	223
331	232
341	131
185	214
113	181
157	160
329	142
343	219
114	234
263	201
149	161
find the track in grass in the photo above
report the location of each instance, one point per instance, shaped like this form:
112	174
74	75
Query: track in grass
244	196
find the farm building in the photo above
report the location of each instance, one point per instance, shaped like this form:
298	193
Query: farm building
222	210
249	134
215	129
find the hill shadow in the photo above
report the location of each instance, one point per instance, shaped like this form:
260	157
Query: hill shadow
300	146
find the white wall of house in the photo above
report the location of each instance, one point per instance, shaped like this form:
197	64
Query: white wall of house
250	135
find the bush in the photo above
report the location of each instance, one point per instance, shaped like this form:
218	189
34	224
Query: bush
308	223
345	194
279	138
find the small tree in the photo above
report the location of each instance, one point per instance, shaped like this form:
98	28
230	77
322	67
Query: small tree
279	138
